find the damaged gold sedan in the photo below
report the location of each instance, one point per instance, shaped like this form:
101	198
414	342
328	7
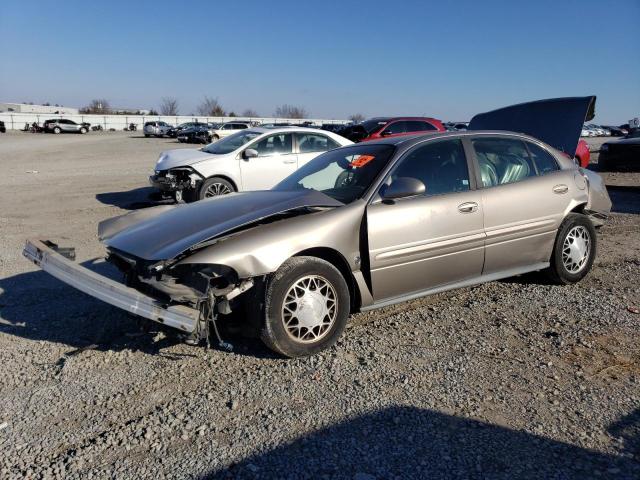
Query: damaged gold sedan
361	227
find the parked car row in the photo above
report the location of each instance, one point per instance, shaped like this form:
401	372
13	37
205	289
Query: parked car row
592	130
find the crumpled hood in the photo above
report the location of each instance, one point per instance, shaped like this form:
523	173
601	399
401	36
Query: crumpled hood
162	233
182	157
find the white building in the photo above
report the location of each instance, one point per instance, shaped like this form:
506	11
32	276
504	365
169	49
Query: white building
29	108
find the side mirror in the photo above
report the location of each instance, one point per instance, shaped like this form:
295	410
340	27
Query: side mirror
403	187
249	153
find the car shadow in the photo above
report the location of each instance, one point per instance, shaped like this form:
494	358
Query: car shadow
409	442
143	197
166	139
37	306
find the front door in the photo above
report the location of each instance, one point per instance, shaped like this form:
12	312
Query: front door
274	162
430	240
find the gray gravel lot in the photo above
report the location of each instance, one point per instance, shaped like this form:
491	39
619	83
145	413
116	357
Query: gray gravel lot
513	379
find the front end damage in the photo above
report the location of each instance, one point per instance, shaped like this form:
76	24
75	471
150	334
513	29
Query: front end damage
157	252
187	297
176	181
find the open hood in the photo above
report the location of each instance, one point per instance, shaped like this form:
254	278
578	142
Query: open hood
162	233
556	121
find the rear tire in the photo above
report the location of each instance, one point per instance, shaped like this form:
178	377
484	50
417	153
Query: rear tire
146	135
215	186
574	250
57	130
306	307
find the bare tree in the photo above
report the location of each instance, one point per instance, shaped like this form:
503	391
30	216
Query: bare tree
99	106
356	117
290	111
250	113
169	106
210	107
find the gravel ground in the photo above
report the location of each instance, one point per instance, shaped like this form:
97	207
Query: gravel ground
513	379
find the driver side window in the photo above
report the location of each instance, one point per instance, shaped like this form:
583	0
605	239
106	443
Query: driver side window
280	144
441	166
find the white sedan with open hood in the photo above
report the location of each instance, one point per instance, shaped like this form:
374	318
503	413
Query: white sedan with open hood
252	159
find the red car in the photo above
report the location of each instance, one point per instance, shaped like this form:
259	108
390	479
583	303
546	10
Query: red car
383	127
582	156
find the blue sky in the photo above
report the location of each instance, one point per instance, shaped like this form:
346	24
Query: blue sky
335	58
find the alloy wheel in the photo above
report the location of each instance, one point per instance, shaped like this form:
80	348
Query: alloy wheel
576	249
216	189
309	309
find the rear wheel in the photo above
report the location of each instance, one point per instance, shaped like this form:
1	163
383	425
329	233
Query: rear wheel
215	186
306	308
574	250
146	135
56	130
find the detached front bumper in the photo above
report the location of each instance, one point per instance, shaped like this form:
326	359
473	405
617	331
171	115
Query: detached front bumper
48	259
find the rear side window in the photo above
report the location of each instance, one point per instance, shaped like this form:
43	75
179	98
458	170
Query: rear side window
441	166
419	126
502	161
542	159
239	126
312	142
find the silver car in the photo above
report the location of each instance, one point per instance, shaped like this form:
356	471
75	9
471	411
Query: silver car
63	125
156	129
357	228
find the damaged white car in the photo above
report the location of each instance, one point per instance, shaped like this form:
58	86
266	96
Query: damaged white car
361	227
252	159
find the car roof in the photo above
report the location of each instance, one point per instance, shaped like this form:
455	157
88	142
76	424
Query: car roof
289	128
406	141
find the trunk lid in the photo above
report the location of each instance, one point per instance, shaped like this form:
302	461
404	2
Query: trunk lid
556	121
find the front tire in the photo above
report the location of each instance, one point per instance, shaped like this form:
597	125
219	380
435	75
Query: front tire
574	250
215	186
306	309
83	131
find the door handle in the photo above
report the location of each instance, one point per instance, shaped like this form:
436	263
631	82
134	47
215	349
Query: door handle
468	207
560	189
288	161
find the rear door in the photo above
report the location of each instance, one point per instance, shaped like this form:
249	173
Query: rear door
525	195
310	145
426	241
275	161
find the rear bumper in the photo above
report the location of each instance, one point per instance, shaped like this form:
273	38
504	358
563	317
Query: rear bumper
107	290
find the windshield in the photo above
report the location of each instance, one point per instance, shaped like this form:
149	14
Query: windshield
344	174
231	143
